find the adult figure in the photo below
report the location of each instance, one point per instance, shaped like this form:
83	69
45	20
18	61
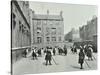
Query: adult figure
75	50
34	54
25	53
65	50
48	58
39	52
89	54
81	58
54	51
72	49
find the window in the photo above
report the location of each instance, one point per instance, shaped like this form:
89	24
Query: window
53	31
48	39
44	22
39	39
35	22
50	22
23	28
59	38
26	3
47	31
38	22
57	22
60	31
13	20
14	24
23	3
20	26
53	38
38	30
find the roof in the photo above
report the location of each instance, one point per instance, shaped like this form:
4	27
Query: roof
46	17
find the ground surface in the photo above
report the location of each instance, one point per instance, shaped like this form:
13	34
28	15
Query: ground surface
63	63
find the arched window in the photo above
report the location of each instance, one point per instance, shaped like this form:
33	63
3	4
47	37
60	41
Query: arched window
13	21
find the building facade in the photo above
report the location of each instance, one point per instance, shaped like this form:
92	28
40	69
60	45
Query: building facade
20	28
48	30
89	31
68	36
72	36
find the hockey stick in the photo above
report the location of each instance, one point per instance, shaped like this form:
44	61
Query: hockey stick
93	57
54	61
87	64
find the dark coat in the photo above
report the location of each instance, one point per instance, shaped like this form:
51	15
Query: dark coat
75	50
72	49
48	56
89	53
54	50
34	54
39	51
81	57
65	51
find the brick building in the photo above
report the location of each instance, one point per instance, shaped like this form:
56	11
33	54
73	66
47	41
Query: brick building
72	36
20	27
68	36
89	31
48	30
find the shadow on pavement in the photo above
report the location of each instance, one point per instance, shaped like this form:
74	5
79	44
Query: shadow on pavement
76	67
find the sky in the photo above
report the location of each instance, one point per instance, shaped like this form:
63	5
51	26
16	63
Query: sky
74	15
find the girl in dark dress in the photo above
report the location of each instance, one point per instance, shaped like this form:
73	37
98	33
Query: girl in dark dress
81	58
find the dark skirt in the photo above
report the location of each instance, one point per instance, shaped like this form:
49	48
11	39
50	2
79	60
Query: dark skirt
89	54
81	61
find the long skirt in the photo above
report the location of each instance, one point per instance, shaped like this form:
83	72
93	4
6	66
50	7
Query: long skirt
81	61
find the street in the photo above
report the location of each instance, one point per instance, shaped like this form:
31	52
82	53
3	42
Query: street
63	64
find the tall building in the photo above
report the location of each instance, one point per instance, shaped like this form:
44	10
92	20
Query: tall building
89	31
68	36
20	28
73	35
48	30
76	36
